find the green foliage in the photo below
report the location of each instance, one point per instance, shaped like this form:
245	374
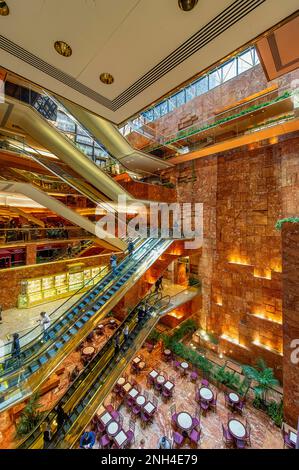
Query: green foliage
154	336
227	378
190	131
293	220
29	417
275	411
264	376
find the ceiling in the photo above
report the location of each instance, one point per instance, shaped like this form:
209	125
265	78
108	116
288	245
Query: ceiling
279	51
150	47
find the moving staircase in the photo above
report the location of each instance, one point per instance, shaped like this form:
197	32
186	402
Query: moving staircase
20	378
91	387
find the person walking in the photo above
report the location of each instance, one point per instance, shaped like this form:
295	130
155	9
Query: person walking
116	344
113	264
15	347
61	416
47	433
45	323
158	284
126	333
130	247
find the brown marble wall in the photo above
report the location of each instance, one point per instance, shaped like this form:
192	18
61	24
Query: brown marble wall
10	279
290	309
30	254
244	192
151	192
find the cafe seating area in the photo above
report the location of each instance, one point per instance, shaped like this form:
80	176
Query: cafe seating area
168	397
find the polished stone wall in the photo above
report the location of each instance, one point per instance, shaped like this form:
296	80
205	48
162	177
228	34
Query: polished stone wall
290	308
244	192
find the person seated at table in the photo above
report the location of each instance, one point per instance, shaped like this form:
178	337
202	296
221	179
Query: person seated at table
87	440
141	444
164	443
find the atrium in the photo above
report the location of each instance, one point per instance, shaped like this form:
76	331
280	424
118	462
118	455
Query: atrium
149	224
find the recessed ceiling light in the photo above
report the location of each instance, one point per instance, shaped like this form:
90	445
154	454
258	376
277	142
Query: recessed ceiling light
187	5
4	10
106	78
63	48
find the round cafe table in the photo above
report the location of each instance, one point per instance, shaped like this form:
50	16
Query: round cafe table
184	421
167	352
112	428
121	381
206	393
160	379
237	429
234	397
88	351
184	365
140	400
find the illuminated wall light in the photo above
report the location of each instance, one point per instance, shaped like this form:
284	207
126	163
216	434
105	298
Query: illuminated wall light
237	259
262	273
267	347
262	316
232	340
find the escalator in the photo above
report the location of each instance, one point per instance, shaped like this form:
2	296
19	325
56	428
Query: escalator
108	134
19	380
45	133
91	387
61	209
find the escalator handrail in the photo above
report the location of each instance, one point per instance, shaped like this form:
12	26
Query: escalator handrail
68	326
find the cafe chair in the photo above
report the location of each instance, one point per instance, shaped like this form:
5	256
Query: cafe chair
227	437
178	439
104	441
195	436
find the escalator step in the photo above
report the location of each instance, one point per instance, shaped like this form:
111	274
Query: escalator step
52	352
34	367
85	318
43	359
79	324
66	337
58	344
73	331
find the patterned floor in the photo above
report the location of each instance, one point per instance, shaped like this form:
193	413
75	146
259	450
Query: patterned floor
264	434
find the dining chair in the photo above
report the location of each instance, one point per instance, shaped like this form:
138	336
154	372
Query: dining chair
195	422
195	436
109	408
286	439
204	406
248	433
240	444
136	409
213	403
178	439
194	376
226	436
205	383
131	438
104	441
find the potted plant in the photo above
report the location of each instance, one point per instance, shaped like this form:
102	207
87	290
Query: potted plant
29	417
263	376
275	411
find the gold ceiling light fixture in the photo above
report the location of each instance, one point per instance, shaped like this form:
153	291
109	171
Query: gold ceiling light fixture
63	48
106	78
187	5
4	10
